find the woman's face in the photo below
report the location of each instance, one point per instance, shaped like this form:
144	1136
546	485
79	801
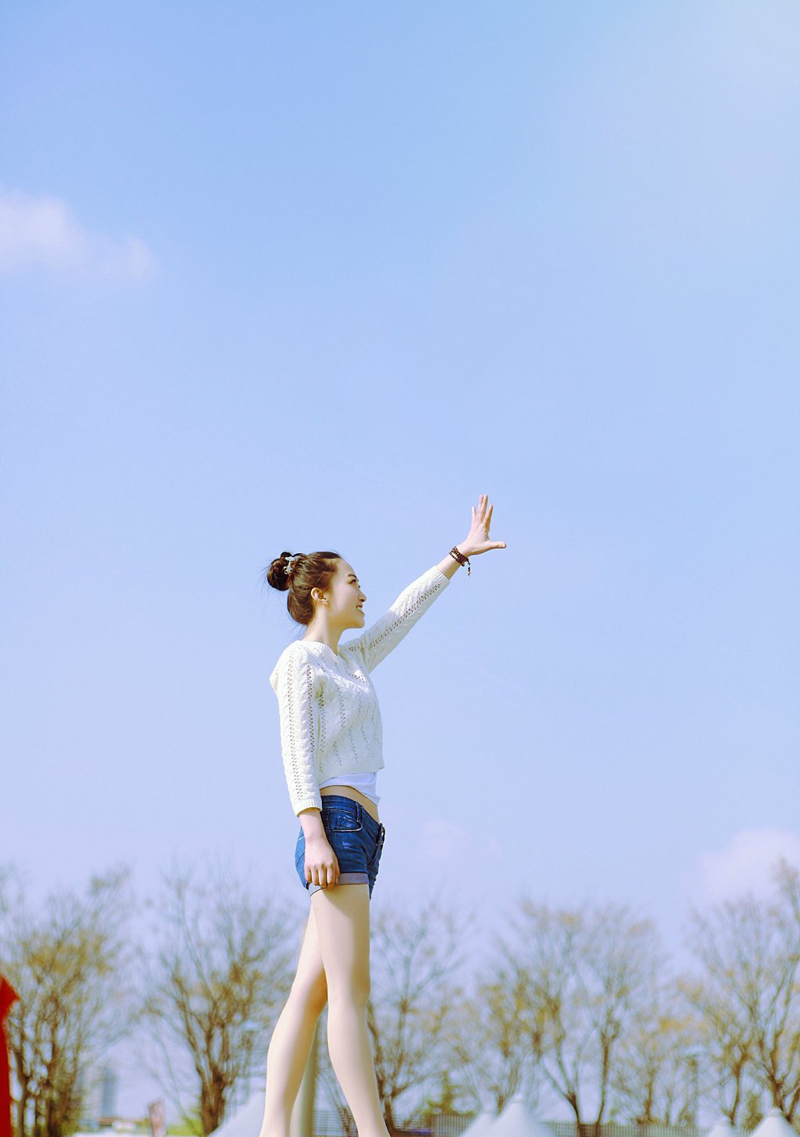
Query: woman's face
346	598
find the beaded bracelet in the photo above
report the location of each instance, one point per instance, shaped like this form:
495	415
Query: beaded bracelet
457	555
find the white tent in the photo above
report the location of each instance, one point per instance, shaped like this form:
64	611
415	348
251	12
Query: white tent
517	1120
774	1125
480	1125
723	1128
246	1122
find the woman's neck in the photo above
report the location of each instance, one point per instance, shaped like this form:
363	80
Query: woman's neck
324	637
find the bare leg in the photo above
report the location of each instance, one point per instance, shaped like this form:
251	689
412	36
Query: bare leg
342	915
293	1035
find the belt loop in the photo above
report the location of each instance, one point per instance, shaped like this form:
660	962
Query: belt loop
359	811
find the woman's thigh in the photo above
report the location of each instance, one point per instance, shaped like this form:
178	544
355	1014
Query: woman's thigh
310	980
342	924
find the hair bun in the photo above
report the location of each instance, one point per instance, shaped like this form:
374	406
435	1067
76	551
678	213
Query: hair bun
279	573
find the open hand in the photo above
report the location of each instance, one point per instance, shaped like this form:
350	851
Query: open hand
477	540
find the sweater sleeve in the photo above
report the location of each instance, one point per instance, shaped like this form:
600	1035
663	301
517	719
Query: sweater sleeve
385	634
293	682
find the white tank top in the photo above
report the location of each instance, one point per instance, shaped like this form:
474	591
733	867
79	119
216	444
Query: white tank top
366	783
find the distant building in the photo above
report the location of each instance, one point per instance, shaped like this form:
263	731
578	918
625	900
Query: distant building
98	1086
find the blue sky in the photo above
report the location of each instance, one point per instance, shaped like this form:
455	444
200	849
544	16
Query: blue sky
305	276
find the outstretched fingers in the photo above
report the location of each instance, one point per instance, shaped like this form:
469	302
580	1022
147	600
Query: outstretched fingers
478	537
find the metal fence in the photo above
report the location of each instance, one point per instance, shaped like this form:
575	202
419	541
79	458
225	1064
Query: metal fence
614	1129
328	1123
453	1124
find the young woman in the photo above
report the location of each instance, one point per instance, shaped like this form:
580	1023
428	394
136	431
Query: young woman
331	736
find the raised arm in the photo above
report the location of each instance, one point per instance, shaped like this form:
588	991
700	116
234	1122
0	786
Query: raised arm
377	641
293	682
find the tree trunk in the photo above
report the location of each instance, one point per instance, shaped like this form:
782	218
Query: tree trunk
388	1117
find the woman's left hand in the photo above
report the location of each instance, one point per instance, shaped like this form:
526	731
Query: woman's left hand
477	540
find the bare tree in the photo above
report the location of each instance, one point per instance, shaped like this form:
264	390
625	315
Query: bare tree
69	965
649	1080
490	1050
749	991
586	973
219	968
723	1027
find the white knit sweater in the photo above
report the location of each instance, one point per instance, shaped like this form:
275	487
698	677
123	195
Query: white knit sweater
330	722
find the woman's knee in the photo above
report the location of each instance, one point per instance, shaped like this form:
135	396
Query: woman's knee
352	988
313	995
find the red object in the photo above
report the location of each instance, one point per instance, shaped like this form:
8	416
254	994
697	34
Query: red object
7	996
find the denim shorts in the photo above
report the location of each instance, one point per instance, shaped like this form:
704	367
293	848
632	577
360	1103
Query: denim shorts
355	837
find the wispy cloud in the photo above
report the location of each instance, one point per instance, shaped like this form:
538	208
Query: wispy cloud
41	232
744	865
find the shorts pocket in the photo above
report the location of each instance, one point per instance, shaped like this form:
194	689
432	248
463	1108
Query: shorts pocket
339	819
